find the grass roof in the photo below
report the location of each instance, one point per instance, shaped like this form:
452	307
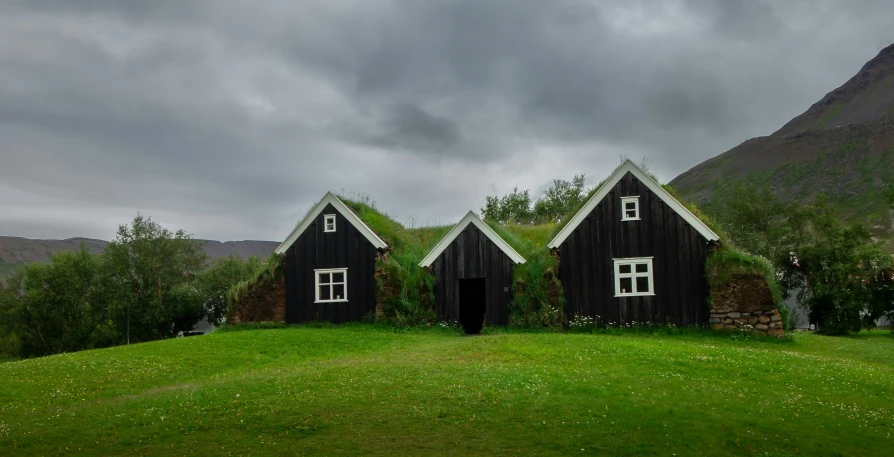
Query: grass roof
532	291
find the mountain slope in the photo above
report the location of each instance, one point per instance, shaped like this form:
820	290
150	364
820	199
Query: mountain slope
842	146
16	251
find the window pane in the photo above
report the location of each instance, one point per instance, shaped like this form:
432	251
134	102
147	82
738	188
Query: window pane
324	278
626	285
338	277
631	214
624	268
642	268
642	285
324	292
629	206
338	291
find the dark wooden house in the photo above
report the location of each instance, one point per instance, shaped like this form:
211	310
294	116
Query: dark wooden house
633	253
330	262
472	266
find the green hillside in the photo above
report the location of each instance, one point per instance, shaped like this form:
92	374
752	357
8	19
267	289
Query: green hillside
366	390
842	147
852	171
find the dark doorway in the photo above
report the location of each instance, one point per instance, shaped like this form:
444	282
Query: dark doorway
472	304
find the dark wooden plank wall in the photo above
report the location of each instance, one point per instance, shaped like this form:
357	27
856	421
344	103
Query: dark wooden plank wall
473	255
679	251
316	249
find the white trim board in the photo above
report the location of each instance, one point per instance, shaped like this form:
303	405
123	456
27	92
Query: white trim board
343	209
471	218
667	198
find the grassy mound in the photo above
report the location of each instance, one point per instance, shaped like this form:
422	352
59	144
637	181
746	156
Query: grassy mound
245	293
537	297
360	389
406	288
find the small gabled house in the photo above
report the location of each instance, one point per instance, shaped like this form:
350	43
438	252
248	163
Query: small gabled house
330	262
633	253
472	266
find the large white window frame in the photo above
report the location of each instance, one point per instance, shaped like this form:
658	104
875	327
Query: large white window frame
632	275
329	222
630	208
333	290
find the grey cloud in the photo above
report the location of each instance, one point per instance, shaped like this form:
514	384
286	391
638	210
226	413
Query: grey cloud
231	118
412	128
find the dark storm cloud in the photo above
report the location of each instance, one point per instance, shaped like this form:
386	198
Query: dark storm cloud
411	128
230	118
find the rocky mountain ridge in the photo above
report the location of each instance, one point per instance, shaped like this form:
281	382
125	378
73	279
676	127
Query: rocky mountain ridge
15	251
842	147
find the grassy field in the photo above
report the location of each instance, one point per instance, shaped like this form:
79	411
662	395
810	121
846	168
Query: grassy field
366	390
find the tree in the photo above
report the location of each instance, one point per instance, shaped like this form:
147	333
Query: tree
559	199
518	208
52	307
514	208
214	282
146	266
757	219
837	270
835	267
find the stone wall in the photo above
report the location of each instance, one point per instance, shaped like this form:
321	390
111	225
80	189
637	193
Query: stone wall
746	303
265	303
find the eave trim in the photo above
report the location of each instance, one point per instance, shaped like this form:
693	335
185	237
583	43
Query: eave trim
471	218
343	209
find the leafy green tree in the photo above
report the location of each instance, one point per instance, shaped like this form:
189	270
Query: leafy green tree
835	267
10	293
757	219
52	307
518	207
214	282
514	207
837	270
559	199
145	265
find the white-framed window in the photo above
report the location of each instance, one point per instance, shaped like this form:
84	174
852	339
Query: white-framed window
331	285
633	277
329	223
629	208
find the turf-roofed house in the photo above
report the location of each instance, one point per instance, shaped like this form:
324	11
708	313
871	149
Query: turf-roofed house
330	262
472	266
633	253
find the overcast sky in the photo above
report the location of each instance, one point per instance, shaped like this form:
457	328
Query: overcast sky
229	119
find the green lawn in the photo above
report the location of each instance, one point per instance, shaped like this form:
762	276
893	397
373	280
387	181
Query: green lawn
366	390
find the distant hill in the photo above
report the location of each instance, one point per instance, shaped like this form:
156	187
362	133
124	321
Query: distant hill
842	146
16	251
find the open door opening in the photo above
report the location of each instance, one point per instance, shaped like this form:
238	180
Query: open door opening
472	304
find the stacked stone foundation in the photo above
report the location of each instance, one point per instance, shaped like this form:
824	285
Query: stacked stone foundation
745	303
763	323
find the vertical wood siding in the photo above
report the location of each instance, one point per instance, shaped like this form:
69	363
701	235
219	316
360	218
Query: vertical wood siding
473	255
316	249
679	253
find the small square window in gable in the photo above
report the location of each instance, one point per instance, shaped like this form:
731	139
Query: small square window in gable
629	208
329	223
